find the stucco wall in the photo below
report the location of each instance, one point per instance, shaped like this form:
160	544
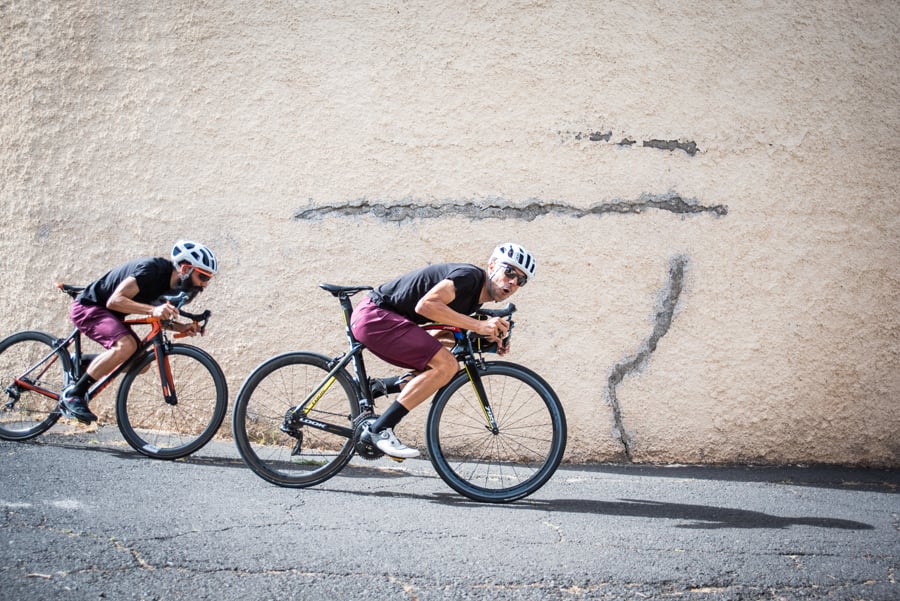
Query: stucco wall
710	190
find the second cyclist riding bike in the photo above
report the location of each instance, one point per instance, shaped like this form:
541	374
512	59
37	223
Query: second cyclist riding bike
171	402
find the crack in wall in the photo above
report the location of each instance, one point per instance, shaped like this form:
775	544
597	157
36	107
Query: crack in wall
497	208
688	146
665	313
672	145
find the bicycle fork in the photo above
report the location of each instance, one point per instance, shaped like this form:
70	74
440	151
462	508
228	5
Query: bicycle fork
471	368
165	374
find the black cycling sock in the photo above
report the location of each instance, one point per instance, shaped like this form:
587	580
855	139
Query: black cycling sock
82	385
390	418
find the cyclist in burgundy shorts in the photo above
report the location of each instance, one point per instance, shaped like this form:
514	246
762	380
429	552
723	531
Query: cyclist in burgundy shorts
387	322
133	288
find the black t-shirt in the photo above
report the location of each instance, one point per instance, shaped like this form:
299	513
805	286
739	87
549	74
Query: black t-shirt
153	275
402	294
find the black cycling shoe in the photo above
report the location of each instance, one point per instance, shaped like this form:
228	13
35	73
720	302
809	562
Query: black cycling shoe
74	407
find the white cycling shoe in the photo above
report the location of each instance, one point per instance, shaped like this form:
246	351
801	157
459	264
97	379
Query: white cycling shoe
387	443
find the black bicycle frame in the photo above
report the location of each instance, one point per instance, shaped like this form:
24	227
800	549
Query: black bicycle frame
301	411
365	401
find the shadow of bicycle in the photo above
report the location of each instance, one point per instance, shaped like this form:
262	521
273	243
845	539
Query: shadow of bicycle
704	517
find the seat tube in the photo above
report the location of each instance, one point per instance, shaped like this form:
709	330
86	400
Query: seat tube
77	368
356	347
360	367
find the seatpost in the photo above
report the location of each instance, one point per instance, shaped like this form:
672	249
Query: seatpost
347	310
358	365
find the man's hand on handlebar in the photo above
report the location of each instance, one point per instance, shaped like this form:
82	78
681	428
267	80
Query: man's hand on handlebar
496	329
188	329
166	312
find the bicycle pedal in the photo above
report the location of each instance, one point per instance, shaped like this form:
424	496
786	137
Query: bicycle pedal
397	459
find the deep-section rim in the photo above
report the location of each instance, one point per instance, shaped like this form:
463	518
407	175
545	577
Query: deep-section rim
522	489
53	415
245	447
218	415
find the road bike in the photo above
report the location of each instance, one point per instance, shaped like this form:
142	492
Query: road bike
171	400
495	433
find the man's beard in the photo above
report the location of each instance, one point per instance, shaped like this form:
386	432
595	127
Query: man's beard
185	285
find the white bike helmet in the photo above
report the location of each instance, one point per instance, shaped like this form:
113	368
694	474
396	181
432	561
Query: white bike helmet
186	251
515	255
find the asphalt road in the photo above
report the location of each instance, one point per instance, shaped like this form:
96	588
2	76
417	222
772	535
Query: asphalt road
85	517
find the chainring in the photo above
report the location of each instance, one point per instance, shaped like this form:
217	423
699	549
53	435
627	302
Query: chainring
364	449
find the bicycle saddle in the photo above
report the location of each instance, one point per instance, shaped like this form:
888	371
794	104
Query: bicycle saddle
339	290
70	289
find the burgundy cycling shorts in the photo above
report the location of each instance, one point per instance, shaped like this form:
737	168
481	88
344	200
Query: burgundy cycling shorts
99	324
392	337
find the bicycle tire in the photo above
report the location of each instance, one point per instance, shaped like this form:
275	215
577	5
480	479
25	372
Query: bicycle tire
276	385
515	461
159	429
25	413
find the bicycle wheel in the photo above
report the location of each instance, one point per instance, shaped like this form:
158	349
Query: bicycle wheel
310	455
172	429
514	461
31	358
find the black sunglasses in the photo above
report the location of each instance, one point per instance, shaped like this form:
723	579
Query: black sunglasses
203	276
512	275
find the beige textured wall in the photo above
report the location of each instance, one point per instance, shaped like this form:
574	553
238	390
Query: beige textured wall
302	139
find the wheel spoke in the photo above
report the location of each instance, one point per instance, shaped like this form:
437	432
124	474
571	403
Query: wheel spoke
29	358
524	452
160	427
311	455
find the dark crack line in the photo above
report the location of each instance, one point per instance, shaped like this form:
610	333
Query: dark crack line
688	146
407	210
672	145
665	313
